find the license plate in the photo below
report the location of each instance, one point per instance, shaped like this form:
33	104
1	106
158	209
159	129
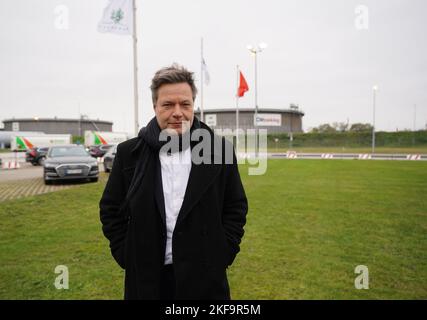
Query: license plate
74	171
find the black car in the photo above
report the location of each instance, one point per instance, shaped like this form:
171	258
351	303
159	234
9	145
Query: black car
99	151
109	158
69	162
36	155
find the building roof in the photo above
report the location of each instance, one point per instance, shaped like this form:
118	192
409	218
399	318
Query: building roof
260	110
55	120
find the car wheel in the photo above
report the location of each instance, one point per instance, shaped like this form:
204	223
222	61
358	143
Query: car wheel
47	182
94	179
106	170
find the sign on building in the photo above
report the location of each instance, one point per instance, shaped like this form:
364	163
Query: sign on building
15	126
210	120
268	120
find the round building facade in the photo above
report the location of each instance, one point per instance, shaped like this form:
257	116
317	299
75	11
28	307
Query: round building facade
274	120
75	127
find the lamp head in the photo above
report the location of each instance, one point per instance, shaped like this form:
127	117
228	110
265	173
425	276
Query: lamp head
262	45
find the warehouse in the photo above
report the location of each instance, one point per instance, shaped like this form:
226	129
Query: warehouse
75	127
274	120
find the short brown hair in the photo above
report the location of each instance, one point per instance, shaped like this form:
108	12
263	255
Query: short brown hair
170	75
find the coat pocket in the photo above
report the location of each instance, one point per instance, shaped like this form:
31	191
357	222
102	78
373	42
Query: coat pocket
119	255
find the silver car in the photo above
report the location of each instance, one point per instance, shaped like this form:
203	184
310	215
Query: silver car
109	158
69	162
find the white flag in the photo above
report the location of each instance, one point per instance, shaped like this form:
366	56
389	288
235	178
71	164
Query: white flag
205	72
117	17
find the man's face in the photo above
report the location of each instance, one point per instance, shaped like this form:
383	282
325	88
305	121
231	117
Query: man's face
174	106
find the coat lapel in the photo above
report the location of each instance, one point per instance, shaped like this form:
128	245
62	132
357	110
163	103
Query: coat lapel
201	177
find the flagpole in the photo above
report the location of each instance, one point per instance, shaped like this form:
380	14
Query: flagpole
135	70
201	79
237	111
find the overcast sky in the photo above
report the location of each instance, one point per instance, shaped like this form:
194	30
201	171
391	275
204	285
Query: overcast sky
316	57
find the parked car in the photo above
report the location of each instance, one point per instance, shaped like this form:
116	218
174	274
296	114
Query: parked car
69	162
36	155
99	151
109	158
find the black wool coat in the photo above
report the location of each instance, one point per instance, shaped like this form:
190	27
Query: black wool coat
207	233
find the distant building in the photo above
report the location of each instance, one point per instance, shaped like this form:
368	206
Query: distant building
274	120
76	127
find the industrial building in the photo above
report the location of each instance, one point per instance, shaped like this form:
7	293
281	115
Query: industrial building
75	127
274	120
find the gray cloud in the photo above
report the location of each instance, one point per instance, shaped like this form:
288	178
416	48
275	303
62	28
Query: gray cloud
316	57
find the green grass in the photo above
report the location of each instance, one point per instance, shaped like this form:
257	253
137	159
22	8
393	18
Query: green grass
61	228
312	222
309	225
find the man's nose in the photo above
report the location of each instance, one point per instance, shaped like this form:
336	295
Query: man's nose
177	112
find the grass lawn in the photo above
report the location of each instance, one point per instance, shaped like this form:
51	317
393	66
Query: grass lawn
310	223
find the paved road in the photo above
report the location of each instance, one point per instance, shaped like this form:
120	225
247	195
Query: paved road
8	156
10	190
27	171
15	189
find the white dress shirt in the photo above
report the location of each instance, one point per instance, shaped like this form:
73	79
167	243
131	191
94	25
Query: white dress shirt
175	173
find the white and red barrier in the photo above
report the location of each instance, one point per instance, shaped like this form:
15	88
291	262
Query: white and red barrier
10	165
327	156
365	156
291	155
413	157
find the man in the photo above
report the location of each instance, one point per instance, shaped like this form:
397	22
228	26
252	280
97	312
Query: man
174	226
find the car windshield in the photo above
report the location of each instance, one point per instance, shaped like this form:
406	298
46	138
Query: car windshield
68	152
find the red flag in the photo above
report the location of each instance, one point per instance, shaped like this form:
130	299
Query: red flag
243	86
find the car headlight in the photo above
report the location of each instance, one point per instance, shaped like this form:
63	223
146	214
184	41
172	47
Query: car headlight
94	163
50	165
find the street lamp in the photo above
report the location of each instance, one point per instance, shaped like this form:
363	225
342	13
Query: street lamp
255	50
374	90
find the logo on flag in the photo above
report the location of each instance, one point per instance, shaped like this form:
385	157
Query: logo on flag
117	17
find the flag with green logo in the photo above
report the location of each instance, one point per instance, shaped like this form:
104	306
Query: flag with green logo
117	18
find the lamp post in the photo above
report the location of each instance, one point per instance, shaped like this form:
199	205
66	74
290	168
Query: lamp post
374	89
255	50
